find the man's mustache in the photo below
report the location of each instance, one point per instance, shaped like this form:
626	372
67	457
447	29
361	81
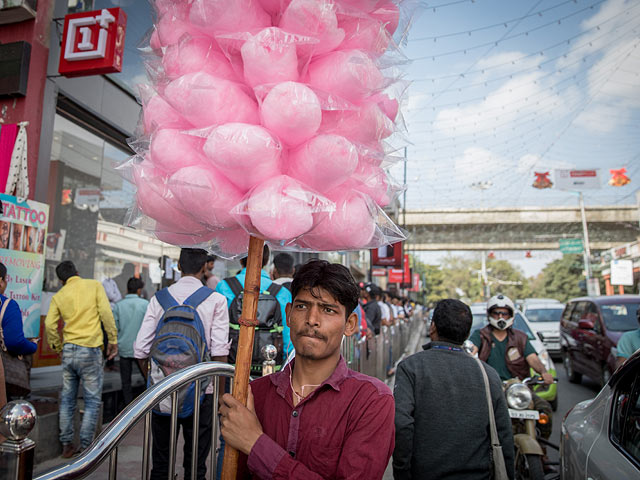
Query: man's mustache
312	333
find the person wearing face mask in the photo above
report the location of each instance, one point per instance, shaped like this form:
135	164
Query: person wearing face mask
509	350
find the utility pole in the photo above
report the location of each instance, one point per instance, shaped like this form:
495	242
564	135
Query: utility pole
485	279
586	251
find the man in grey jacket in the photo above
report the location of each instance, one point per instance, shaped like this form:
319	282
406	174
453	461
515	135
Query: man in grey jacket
442	420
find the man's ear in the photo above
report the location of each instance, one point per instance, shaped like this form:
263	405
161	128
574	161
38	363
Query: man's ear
352	324
287	310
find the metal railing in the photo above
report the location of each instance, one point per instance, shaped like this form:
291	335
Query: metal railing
373	356
105	446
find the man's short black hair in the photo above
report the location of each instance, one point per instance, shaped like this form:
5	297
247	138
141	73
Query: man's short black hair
211	258
453	320
333	277
134	284
3	270
65	270
192	260
283	263
265	258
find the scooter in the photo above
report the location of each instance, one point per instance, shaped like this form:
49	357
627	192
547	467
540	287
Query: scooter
525	420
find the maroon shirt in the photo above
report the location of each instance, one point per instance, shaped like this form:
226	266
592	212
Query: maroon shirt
344	429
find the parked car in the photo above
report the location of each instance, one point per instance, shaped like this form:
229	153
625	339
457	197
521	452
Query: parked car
547	392
544	319
589	332
601	437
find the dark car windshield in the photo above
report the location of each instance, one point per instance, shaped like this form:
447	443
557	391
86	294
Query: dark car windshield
620	317
544	314
480	320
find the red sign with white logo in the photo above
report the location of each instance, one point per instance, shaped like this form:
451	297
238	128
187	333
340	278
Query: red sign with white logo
387	256
396	275
93	42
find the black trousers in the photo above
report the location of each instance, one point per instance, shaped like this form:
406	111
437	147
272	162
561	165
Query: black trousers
126	368
161	428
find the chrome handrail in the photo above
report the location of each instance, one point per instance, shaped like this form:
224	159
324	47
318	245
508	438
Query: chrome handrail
102	447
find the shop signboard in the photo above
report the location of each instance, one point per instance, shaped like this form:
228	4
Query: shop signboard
406	279
396	275
577	180
23	231
415	283
621	272
570	245
387	256
93	42
379	272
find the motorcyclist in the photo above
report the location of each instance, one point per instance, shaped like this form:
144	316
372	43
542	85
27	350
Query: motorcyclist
509	350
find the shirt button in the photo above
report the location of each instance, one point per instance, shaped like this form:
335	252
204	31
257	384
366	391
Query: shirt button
293	454
295	413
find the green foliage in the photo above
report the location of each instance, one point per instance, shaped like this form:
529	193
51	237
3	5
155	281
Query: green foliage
560	279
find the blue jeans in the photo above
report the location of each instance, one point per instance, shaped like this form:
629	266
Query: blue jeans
86	364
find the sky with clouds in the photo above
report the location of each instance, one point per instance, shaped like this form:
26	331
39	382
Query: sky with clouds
500	90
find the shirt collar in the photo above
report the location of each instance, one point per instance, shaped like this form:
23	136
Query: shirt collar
428	346
72	279
131	295
189	280
281	379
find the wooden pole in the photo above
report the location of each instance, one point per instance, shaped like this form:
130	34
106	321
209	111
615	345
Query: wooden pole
245	345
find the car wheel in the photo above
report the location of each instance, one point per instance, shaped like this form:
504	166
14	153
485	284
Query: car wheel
529	467
604	376
574	377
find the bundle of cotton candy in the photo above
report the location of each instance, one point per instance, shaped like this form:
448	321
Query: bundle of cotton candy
269	118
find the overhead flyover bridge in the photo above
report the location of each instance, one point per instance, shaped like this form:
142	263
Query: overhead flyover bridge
519	228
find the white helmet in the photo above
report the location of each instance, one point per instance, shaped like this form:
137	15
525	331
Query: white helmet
500	301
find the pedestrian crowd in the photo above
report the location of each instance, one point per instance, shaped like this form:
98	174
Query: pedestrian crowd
314	417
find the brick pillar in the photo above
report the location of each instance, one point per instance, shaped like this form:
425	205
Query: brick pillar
608	286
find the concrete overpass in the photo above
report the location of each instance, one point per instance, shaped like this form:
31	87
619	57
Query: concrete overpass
519	228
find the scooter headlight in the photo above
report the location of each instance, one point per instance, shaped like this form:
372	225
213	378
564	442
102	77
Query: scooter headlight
519	396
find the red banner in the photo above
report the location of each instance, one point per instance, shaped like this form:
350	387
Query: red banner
396	275
406	278
416	282
387	256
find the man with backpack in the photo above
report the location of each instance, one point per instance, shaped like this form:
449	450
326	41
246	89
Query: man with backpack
272	327
200	318
282	271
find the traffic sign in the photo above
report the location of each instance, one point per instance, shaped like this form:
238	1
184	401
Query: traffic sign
571	245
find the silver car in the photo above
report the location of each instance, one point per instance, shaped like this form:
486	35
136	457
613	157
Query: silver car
601	437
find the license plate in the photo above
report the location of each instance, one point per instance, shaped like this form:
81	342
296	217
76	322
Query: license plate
524	414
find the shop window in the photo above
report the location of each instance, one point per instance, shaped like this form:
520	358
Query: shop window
89	201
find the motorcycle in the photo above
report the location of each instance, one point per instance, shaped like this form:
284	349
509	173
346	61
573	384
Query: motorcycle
525	421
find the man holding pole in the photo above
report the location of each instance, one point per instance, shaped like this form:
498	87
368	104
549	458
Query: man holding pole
315	419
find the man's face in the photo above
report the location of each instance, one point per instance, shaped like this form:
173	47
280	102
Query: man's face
317	324
500	312
3	285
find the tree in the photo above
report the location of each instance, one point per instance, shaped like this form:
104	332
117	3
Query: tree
561	279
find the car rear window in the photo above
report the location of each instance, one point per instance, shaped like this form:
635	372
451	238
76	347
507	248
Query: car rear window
544	314
620	317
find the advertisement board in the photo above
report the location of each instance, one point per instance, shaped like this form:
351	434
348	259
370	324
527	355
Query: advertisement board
387	256
622	272
396	275
23	232
577	180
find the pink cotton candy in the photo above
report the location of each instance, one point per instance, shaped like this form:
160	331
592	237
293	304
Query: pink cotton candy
157	113
292	111
233	242
171	29
363	33
351	226
269	57
205	100
371	180
273	7
349	74
206	194
387	104
280	209
172	150
220	16
166	233
245	154
388	14
362	5
179	9
365	125
313	18
196	54
324	162
154	41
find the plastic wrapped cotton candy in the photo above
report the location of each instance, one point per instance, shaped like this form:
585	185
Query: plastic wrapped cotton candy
371	180
205	100
170	29
196	54
229	16
364	125
351	225
280	209
274	7
270	57
157	113
388	14
363	33
166	233
324	162
314	18
292	111
350	74
172	150
246	154
208	196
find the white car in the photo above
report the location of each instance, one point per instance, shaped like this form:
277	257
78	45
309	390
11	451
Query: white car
544	320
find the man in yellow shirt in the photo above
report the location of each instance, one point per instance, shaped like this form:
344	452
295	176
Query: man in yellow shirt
83	306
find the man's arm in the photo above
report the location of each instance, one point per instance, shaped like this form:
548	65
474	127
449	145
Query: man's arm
535	363
106	317
624	348
13	331
405	405
370	440
51	326
147	332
